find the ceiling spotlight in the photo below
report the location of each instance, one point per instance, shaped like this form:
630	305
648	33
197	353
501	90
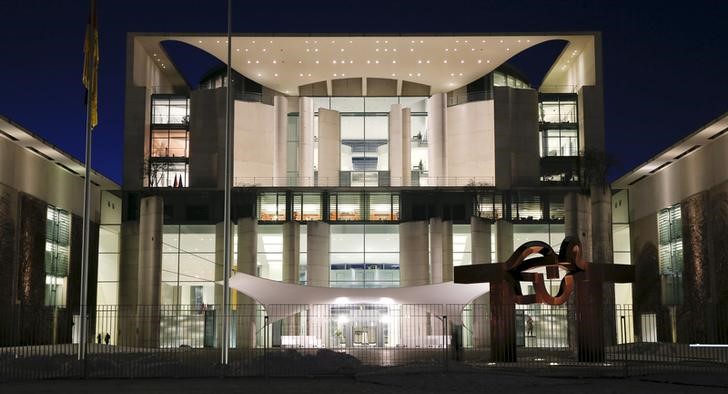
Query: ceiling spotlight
376	61
418	74
317	62
248	61
264	49
274	62
394	61
259	74
334	61
199	41
394	75
462	61
300	75
342	50
237	50
412	49
428	62
419	62
369	61
335	74
508	49
309	74
444	61
275	75
480	61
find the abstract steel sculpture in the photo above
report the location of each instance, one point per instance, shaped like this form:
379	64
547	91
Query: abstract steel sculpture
583	277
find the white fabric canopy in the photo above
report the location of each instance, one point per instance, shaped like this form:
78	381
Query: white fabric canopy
285	299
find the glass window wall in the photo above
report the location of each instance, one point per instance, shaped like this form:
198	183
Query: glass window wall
364	255
272	207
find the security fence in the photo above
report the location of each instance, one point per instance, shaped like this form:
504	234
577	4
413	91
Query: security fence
341	339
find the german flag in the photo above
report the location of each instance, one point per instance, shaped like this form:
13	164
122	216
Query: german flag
91	65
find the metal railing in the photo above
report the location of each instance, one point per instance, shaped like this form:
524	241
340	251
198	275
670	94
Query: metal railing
310	340
318	181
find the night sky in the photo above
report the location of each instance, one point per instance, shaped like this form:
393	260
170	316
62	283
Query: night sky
665	63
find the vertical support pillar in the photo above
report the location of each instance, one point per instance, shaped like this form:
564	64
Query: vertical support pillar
502	302
128	283
577	223
480	247
318	240
305	141
603	253
151	218
329	147
414	261
395	145
280	141
291	259
247	264
436	143
440	250
317	254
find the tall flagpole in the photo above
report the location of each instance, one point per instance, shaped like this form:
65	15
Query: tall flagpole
228	186
82	340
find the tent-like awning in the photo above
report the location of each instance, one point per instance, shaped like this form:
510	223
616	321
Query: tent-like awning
285	299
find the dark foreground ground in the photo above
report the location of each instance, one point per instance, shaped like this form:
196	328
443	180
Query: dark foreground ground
391	381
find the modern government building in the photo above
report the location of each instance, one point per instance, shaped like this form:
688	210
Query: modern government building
359	162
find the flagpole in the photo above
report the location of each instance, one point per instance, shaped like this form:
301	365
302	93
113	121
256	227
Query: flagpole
86	225
226	210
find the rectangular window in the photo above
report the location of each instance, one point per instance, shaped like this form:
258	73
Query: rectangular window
170	109
272	207
670	250
345	207
57	255
307	207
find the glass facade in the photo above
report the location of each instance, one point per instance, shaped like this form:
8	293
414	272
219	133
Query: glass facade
365	136
188	265
168	151
669	230
364	255
558	125
57	255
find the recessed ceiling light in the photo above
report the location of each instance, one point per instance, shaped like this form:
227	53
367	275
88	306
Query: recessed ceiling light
317	62
386	50
343	75
257	61
461	74
237	50
452	74
253	41
271	41
275	75
394	75
455	49
419	61
300	75
274	62
218	41
413	41
369	61
376	61
487	61
248	61
299	62
259	74
199	41
334	61
309	74
480	61
446	49
308	50
418	74
155	55
462	61
428	62
394	50
342	50
501	41
246	49
386	42
377	41
412	49
333	42
351	62
394	61
315	49
264	49
377	49
306	43
444	61
335	74
410	74
421	41
451	84
508	49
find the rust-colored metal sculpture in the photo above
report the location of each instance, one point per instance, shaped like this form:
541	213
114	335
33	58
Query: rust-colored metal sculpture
582	277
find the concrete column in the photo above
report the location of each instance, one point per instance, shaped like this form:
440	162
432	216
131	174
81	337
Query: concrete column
318	240
400	161
480	240
406	151
151	219
291	258
247	264
577	221
414	267
305	141
436	137
128	282
503	240
280	138
440	250
395	145
291	251
329	147
480	249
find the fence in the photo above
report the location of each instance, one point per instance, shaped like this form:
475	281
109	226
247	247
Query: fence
313	340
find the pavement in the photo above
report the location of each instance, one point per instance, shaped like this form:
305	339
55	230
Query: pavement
391	381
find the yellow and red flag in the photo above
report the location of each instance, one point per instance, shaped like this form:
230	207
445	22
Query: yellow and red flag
91	65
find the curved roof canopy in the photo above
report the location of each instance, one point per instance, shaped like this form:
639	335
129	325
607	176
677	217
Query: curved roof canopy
283	63
284	299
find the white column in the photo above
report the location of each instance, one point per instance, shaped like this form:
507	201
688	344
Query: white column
480	248
440	250
280	129
406	151
400	162
318	240
436	138
151	219
247	264
414	267
480	240
503	240
305	141
395	145
578	221
291	251
329	147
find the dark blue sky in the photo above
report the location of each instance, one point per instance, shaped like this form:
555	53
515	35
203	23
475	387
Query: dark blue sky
665	63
